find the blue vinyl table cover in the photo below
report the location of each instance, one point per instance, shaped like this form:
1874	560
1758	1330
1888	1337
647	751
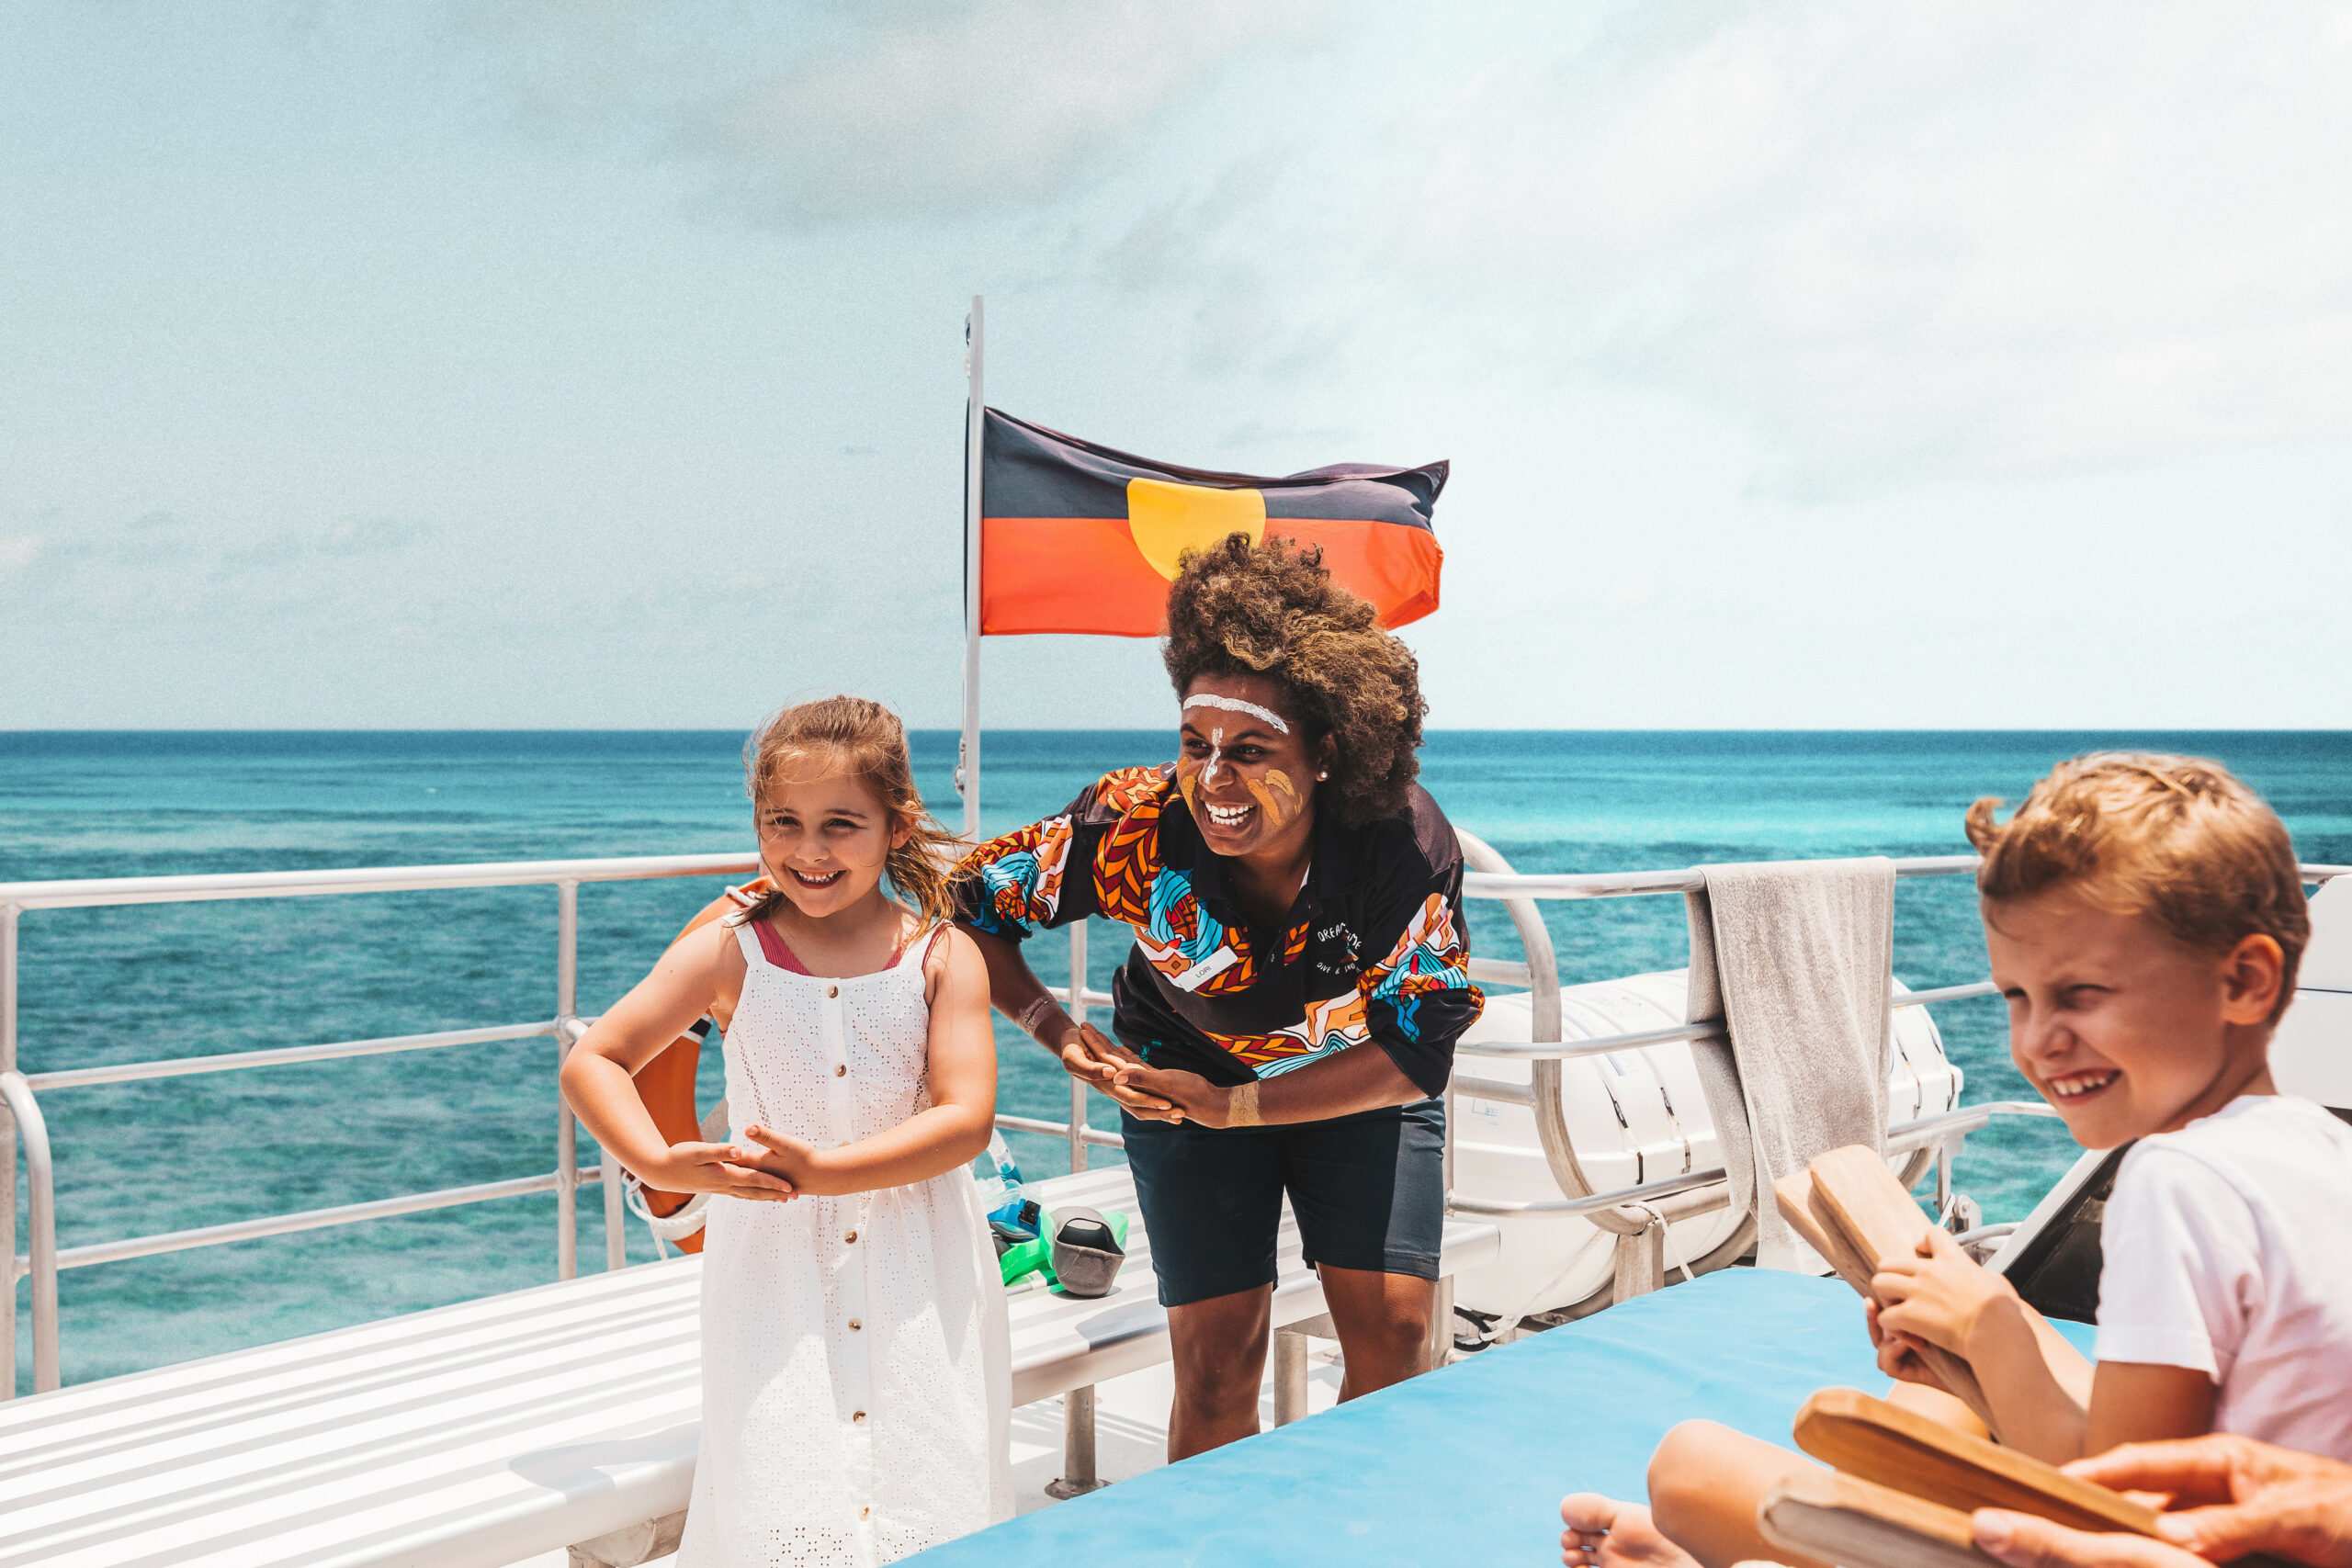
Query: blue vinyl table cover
1468	1466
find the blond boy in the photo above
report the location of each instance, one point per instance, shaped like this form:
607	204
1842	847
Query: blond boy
2144	917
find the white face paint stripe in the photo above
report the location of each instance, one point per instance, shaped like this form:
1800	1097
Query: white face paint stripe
1235	704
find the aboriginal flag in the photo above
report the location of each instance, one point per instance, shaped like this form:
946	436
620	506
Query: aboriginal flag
1076	537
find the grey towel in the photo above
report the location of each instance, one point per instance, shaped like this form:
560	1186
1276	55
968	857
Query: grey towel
1794	955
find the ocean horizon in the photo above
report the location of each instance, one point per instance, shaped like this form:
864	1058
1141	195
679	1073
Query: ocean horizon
159	981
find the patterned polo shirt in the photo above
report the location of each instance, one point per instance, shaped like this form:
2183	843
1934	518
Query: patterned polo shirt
1373	947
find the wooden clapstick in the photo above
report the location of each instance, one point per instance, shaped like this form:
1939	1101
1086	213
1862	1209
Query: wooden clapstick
1872	1441
1829	1517
1809	1214
1868	1205
1902	1449
1794	1196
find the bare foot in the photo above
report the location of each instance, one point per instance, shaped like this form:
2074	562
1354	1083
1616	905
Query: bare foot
1604	1533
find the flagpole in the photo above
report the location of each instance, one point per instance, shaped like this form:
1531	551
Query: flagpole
968	751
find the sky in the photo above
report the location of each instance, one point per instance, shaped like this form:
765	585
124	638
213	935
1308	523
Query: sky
572	364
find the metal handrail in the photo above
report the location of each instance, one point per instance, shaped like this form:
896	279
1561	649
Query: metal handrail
1678	1034
25	1122
1900	1138
237	1061
100	892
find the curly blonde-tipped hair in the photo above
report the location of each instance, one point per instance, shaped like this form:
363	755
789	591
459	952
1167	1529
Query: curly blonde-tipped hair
1240	608
2178	838
854	735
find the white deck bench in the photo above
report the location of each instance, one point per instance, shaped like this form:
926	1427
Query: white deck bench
482	1433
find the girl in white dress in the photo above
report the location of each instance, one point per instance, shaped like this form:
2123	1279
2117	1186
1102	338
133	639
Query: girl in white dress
853	1360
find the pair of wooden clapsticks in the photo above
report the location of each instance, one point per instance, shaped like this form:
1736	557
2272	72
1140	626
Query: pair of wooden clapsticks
1850	1209
1900	1485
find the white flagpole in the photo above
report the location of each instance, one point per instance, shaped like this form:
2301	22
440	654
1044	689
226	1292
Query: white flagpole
967	753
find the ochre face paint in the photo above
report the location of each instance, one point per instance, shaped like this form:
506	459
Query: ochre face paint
1275	797
1235	704
1187	783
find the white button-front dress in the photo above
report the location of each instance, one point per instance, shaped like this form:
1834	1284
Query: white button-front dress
854	1352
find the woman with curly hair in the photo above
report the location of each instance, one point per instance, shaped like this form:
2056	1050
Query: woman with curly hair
1294	896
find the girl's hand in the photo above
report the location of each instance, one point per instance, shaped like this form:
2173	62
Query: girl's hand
717	1167
1941	1296
1898	1354
1190	1098
782	1157
1099	1063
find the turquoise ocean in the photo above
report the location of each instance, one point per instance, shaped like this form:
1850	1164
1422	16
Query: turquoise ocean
102	985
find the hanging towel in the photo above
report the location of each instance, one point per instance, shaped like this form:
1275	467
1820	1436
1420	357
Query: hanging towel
1795	956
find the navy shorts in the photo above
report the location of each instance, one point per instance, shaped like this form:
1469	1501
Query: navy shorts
1369	1191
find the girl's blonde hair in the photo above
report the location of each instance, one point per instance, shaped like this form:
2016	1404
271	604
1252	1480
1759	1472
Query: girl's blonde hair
852	735
2178	838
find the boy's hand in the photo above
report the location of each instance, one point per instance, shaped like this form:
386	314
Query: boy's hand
1941	1296
1898	1354
717	1167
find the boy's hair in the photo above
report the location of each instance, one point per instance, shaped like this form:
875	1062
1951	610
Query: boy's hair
853	735
1272	609
2177	839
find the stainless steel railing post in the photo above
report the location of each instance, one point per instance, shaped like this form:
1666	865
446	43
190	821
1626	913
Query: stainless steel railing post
41	1181
567	1133
608	1175
1078	1013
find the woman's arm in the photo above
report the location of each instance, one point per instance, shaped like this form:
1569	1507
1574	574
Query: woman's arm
1086	1054
597	1077
951	1131
1038	877
1353	1080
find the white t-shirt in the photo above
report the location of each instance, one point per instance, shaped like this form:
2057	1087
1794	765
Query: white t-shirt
2228	1250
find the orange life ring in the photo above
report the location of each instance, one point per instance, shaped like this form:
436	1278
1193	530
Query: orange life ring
666	1083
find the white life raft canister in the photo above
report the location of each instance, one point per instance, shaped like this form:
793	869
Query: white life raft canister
1634	1116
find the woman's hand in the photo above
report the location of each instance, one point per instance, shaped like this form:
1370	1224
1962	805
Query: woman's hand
1190	1097
1104	1065
2028	1541
1941	1296
717	1167
2233	1497
1898	1354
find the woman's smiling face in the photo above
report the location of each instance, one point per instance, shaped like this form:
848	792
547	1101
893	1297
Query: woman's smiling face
1243	765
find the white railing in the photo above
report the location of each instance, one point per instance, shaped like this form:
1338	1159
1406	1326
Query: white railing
23	1121
20	1091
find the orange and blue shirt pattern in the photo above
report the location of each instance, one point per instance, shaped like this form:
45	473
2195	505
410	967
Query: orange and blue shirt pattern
1375	950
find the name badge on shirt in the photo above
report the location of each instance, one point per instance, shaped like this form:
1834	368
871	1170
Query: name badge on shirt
1208	968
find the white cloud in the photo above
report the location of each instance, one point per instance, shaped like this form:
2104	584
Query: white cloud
927	109
1895	243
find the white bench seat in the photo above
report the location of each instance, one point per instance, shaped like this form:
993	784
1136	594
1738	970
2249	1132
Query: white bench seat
475	1434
